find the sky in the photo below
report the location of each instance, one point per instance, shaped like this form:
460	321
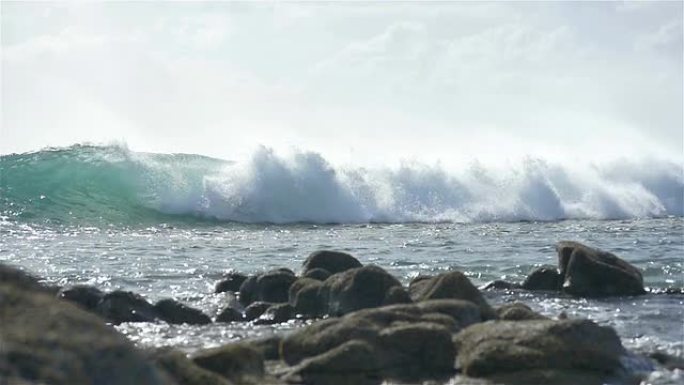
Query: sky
356	82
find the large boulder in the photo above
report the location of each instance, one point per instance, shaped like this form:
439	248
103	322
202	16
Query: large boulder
230	282
229	314
545	278
332	261
360	288
589	272
496	347
272	286
48	341
125	306
451	285
240	363
306	299
183	370
23	280
175	312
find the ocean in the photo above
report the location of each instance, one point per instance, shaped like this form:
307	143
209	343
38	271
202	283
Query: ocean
171	225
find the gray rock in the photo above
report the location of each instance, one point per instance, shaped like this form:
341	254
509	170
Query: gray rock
545	278
48	341
332	261
229	315
272	286
22	280
589	272
231	282
496	347
517	312
277	313
175	312
256	309
452	285
500	285
306	299
85	296
317	274
183	370
240	363
125	306
360	288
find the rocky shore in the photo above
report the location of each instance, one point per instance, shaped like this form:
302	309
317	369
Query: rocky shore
360	325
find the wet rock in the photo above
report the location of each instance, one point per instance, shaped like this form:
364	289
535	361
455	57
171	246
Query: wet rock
175	312
555	377
231	282
501	285
332	261
517	312
256	309
544	278
183	370
669	361
268	346
125	306
85	296
360	288
239	363
354	362
276	314
317	274
23	280
452	285
589	272
464	313
306	299
229	314
272	286
496	347
48	341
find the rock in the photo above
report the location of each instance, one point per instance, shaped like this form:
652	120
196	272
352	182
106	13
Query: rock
354	362
268	346
517	312
544	278
306	299
184	371
229	315
464	313
231	282
272	286
496	347
48	341
175	312
332	261
277	313
360	288
500	285
317	274
669	361
414	351
125	306
239	363
22	280
555	377
452	285
256	309
589	272
85	296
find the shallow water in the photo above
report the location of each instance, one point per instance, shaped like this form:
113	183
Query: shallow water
184	261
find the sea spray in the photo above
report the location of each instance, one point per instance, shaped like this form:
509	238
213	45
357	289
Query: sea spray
89	185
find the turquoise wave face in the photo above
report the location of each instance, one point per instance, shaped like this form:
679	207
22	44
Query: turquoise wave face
95	185
110	185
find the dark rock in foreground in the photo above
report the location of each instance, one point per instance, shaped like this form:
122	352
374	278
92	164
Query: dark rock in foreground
498	347
125	306
590	272
184	371
272	286
229	315
544	278
231	282
85	296
240	363
48	341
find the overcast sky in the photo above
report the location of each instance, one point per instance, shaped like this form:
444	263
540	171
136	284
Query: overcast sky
353	81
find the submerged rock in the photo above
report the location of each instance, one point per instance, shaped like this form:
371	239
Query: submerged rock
175	312
544	278
497	347
331	261
231	282
451	285
589	272
48	341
